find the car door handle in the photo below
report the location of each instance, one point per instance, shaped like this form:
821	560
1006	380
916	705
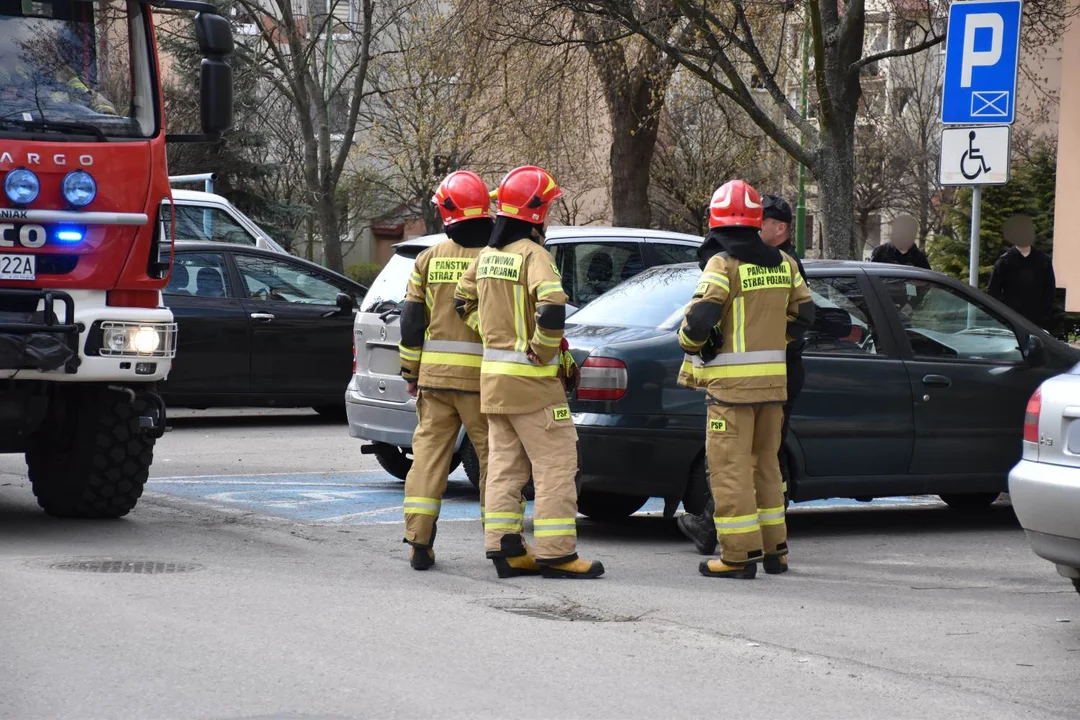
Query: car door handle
937	381
262	317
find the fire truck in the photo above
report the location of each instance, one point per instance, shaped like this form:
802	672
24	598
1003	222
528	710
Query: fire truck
86	238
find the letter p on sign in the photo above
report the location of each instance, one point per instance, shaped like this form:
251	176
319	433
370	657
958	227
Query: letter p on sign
981	58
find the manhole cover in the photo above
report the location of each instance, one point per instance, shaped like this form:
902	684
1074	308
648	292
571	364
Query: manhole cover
131	567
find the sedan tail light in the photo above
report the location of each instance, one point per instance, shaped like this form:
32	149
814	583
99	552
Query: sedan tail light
602	379
1031	418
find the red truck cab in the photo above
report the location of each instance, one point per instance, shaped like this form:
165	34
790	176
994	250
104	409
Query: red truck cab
86	240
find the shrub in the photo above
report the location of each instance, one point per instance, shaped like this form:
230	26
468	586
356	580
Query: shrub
364	273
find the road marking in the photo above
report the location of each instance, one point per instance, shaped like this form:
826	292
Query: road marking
376	498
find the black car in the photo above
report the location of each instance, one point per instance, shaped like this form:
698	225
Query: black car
915	384
259	328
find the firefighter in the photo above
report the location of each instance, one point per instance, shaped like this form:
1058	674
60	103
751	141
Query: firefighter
440	359
513	294
775	231
750	300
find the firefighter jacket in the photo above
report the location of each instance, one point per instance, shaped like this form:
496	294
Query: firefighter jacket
438	350
514	295
741	312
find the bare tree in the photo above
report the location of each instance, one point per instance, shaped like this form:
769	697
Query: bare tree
317	57
733	47
703	141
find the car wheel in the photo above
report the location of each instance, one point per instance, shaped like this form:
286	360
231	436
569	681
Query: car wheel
698	493
968	502
470	461
609	507
331	412
393	460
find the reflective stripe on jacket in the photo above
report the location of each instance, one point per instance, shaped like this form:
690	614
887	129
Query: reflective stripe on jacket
514	295
757	303
448	354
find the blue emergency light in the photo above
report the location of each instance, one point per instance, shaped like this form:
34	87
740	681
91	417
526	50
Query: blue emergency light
69	235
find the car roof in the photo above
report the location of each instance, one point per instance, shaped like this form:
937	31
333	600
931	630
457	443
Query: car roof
566	232
199	196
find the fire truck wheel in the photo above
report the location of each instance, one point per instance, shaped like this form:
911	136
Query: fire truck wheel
90	459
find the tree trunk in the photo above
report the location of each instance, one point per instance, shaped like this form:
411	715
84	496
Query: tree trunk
835	173
327	211
632	146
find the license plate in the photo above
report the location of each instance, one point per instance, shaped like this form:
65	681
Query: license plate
17	267
384	361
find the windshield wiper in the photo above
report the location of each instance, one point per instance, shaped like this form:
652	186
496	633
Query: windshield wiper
66	128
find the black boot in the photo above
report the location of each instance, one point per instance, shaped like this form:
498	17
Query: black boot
700	529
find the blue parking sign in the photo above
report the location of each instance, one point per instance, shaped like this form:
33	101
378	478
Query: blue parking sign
982	52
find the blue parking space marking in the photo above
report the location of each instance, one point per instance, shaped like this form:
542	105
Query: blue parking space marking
376	497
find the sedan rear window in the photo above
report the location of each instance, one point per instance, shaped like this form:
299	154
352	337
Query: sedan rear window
655	298
389	286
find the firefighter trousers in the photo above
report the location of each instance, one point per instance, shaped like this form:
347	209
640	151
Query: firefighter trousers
543	443
440	414
742	443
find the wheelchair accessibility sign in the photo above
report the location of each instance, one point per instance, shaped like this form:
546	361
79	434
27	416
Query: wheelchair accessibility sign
975	155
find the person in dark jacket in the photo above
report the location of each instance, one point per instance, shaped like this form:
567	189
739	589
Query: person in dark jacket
901	250
776	232
1023	277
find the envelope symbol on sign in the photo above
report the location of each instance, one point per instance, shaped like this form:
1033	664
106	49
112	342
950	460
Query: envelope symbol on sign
990	103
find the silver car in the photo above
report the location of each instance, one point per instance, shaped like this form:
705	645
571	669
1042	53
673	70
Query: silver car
1045	484
592	260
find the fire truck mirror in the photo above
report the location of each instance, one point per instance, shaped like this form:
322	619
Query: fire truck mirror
215	96
214	35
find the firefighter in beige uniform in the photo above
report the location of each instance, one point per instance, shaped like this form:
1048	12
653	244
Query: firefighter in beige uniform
515	294
440	359
750	301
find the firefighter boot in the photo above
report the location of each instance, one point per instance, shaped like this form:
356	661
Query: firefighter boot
775	564
576	569
701	529
516	558
422	558
719	569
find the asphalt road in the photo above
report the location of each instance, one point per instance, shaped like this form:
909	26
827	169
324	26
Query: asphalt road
284	591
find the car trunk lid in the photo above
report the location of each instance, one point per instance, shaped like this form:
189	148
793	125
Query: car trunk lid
1059	421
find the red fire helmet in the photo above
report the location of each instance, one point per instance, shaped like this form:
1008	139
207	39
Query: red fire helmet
462	195
735	204
526	193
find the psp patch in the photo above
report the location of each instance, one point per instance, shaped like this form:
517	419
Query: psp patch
756	277
499	266
719	426
561	413
447	270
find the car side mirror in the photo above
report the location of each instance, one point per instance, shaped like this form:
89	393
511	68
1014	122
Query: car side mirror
346	304
1034	351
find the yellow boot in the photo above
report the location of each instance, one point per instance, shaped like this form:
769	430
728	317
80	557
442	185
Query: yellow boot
577	569
720	569
422	558
508	567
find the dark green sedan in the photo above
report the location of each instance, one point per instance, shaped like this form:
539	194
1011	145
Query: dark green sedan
915	384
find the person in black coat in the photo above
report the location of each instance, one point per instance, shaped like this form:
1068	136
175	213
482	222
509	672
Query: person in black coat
1023	277
901	250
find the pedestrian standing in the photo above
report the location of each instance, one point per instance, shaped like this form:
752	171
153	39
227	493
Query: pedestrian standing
901	249
513	293
775	232
1023	277
441	357
749	301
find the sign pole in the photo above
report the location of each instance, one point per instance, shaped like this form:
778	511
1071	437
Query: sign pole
976	219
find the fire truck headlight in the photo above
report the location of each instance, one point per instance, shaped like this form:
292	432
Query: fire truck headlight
145	340
22	186
79	188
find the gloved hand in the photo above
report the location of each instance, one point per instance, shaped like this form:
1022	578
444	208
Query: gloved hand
712	346
569	372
